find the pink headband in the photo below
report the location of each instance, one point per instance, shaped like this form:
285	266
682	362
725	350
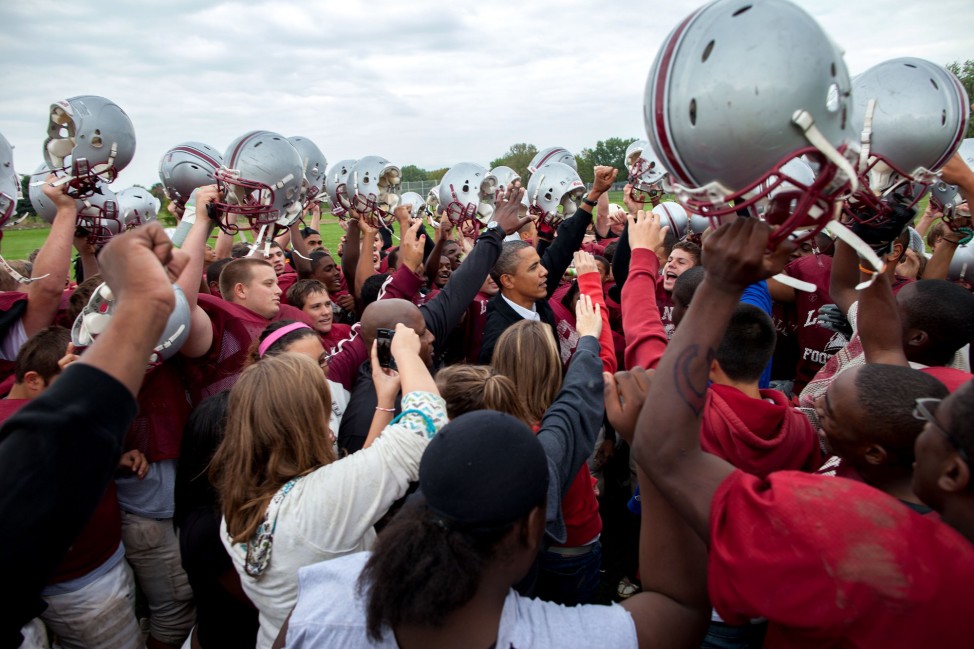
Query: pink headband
277	335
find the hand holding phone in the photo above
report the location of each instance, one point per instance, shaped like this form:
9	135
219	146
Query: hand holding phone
383	348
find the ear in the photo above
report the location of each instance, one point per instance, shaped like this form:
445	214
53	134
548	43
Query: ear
916	337
715	371
956	475
507	281
875	455
240	291
34	381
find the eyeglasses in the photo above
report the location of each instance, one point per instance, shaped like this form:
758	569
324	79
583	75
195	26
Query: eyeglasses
925	410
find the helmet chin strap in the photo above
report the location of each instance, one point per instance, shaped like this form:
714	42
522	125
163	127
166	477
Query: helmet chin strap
17	276
804	120
865	253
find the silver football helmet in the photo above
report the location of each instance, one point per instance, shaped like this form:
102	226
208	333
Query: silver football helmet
646	174
99	216
553	193
336	180
373	189
503	178
10	191
911	115
261	180
186	167
315	168
433	205
674	216
552	154
96	134
137	207
417	206
726	107
467	194
945	197
962	265
94	319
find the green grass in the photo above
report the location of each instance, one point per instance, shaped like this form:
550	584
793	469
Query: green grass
18	244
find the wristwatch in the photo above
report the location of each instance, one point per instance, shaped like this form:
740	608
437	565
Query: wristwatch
493	225
588	201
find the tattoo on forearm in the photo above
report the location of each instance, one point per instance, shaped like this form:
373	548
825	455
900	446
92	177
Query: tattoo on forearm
690	375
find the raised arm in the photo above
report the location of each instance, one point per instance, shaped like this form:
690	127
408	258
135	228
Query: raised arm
879	326
443	234
364	269
353	240
300	258
558	256
201	330
641	322
590	285
53	260
844	277
667	440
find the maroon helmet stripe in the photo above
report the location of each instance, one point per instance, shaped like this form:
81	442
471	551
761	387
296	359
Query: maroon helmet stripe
659	92
545	159
202	155
232	161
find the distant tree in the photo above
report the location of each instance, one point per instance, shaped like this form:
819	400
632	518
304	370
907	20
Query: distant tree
586	169
965	72
164	214
412	174
611	152
437	174
517	158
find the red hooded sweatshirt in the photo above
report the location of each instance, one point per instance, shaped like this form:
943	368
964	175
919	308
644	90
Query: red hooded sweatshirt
758	436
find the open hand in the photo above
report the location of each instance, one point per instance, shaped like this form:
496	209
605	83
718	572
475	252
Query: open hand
588	317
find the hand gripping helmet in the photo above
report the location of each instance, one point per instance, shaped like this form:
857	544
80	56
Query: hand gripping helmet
945	197
738	89
646	174
552	154
673	215
336	180
137	207
10	190
96	134
552	187
417	206
186	167
315	167
504	178
94	319
910	116
373	189
466	194
261	179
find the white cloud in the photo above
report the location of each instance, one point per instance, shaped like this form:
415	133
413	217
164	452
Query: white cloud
425	83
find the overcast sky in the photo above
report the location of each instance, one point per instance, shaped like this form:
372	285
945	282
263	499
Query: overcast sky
421	82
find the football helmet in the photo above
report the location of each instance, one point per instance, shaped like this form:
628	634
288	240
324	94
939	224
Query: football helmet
99	216
94	319
553	193
336	180
260	179
646	174
137	207
552	154
503	177
467	195
433	205
673	215
417	206
373	189
315	168
187	167
911	116
98	137
10	191
726	107
962	265
945	197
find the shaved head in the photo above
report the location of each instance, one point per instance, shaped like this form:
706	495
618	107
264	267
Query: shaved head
386	314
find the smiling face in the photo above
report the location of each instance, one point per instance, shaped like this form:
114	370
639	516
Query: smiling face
678	263
528	283
451	251
443	272
317	306
328	273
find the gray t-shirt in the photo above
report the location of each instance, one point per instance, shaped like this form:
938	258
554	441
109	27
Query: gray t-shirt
330	613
